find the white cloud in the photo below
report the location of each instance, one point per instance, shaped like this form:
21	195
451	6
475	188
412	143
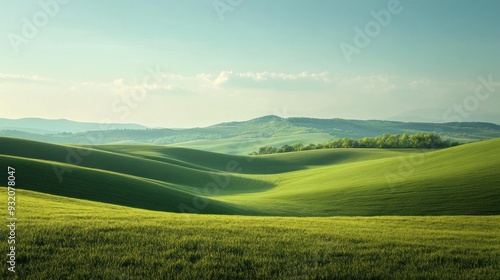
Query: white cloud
263	76
230	82
32	78
203	81
421	82
222	78
118	82
124	88
371	84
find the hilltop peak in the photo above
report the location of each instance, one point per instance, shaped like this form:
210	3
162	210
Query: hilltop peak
267	118
259	120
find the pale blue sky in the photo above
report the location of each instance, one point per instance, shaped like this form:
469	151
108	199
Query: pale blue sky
183	63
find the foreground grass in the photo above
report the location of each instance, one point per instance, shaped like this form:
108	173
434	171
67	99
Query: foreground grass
63	238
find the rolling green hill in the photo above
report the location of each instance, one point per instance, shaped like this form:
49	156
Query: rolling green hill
246	145
462	180
107	177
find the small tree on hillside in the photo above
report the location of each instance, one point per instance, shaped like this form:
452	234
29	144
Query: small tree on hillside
297	146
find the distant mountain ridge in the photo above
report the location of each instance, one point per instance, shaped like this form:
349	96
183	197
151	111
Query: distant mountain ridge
268	130
46	126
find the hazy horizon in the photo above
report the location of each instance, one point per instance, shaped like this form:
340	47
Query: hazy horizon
410	120
199	63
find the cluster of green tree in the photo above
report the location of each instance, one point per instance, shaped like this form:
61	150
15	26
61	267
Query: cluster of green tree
418	140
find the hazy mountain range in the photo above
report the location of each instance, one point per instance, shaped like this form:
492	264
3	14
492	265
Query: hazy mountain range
44	126
268	129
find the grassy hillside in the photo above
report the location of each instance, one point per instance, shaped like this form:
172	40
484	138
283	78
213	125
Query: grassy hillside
461	180
63	238
457	181
108	177
244	146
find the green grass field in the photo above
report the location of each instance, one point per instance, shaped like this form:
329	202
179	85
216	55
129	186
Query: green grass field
101	213
62	238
